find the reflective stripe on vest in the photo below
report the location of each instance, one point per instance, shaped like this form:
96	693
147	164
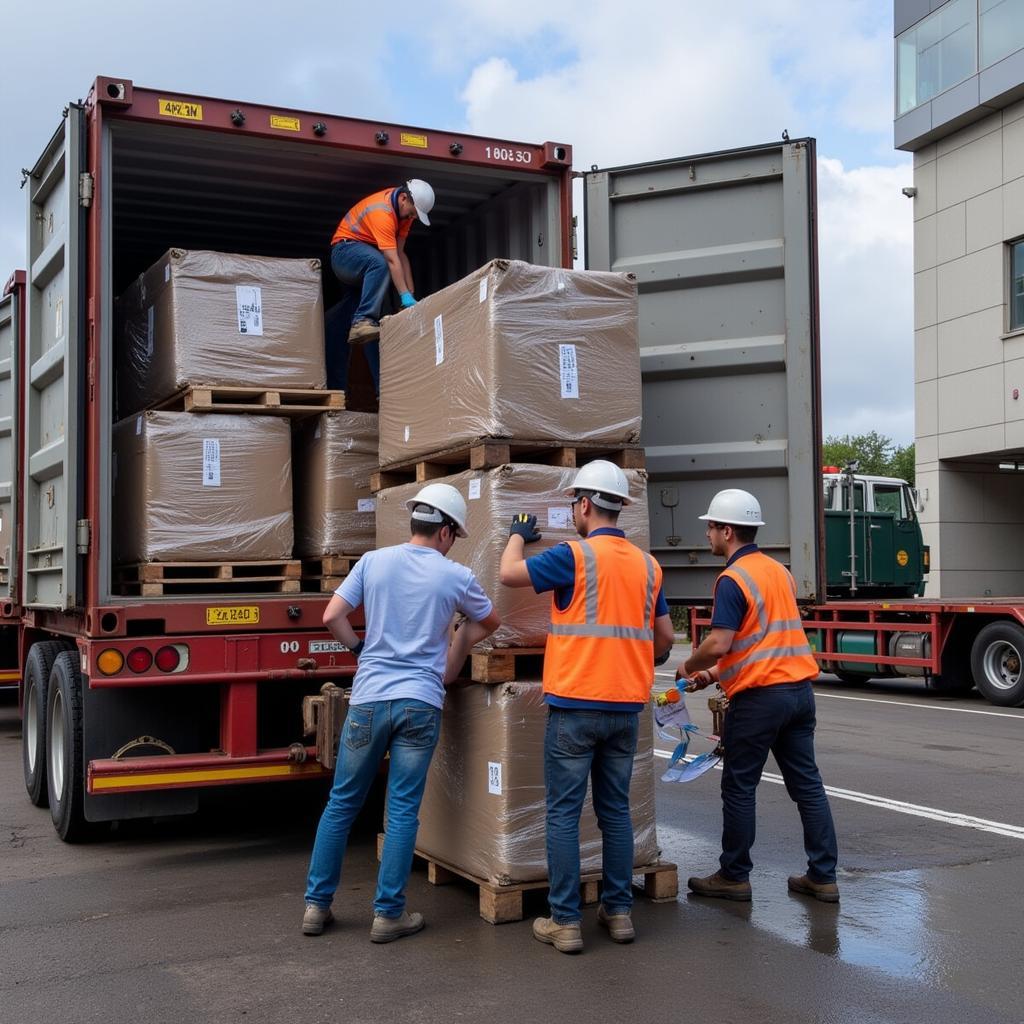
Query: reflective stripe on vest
355	224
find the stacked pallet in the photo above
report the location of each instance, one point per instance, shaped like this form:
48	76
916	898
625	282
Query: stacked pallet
502	385
218	353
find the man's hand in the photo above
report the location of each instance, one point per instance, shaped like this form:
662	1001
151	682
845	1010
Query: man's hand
699	680
524	525
407	300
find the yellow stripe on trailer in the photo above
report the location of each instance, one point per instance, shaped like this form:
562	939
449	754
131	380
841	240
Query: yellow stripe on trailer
151	780
9	677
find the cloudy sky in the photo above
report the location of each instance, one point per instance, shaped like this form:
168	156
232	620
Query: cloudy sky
648	80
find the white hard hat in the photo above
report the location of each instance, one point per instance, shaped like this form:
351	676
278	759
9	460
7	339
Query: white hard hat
605	477
422	198
443	500
736	507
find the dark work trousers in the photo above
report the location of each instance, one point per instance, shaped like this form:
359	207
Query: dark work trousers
779	719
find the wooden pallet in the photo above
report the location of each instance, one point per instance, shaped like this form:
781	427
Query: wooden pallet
295	402
500	904
158	579
324	575
488	453
503	665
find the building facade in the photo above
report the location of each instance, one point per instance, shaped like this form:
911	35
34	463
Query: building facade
960	110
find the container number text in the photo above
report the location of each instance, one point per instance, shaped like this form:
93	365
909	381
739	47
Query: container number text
243	614
181	108
507	155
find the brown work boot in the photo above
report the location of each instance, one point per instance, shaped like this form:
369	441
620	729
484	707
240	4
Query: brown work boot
827	892
566	938
721	888
315	919
620	926
387	929
363	331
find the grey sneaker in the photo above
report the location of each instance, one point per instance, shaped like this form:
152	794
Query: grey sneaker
363	331
620	926
722	888
566	938
315	919
387	929
826	892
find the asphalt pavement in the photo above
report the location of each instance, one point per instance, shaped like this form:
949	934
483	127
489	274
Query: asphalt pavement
198	919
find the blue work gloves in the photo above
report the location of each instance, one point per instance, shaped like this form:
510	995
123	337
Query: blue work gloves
407	300
525	526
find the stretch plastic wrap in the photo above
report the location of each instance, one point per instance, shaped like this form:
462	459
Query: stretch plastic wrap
493	496
483	809
512	351
335	453
191	487
217	319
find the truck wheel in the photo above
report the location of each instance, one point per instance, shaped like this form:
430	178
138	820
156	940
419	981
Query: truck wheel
65	775
33	729
997	663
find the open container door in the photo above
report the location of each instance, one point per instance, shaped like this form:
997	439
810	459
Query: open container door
724	249
57	193
10	334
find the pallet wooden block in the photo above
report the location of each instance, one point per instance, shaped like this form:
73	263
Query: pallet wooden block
295	402
490	453
156	579
503	665
324	575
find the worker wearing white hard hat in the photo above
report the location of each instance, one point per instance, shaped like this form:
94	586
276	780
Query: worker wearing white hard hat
609	623
758	653
368	253
410	594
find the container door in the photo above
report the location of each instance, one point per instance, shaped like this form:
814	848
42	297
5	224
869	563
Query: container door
53	352
10	331
725	253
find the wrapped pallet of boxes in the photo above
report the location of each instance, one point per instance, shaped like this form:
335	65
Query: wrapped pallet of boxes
215	488
335	453
483	809
512	351
219	320
493	496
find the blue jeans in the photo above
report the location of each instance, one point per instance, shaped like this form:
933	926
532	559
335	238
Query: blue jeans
781	719
599	745
360	266
408	730
337	322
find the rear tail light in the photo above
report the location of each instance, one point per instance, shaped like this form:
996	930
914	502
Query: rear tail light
110	661
168	659
139	659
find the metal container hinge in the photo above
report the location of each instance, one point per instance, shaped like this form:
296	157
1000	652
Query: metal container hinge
86	186
84	538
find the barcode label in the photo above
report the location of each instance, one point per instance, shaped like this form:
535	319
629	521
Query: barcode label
560	518
569	371
249	300
474	489
211	462
438	340
483	290
138	425
366	504
494	777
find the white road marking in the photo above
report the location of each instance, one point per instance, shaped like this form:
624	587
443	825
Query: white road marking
999	828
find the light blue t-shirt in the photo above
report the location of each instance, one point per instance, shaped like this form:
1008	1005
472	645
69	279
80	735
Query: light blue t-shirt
410	594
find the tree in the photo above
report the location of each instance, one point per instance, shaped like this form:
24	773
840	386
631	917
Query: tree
877	454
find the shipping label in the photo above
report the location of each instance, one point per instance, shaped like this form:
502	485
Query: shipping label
149	331
474	489
138	425
560	518
366	504
569	371
483	290
249	300
438	340
211	462
494	777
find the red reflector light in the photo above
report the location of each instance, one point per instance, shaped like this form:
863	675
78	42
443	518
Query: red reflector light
139	660
167	659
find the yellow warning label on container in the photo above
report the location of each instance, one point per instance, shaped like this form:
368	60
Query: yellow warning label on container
233	615
416	141
902	557
184	109
288	124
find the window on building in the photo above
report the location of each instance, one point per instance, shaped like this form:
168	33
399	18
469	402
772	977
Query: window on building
1017	285
938	52
1002	29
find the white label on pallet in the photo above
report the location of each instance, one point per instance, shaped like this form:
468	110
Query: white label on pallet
483	290
438	340
326	647
474	489
560	518
149	331
249	300
211	462
138	425
366	504
494	777
167	272
408	434
569	371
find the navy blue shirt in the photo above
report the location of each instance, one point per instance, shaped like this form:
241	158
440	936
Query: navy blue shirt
730	604
555	569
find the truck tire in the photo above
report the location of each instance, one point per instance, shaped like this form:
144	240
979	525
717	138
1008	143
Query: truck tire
65	775
38	665
997	663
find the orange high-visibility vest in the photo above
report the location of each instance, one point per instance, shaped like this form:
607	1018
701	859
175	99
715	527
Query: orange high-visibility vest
373	220
770	646
602	646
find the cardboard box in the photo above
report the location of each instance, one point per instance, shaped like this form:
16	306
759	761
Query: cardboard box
190	487
493	496
483	810
335	453
217	319
512	351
